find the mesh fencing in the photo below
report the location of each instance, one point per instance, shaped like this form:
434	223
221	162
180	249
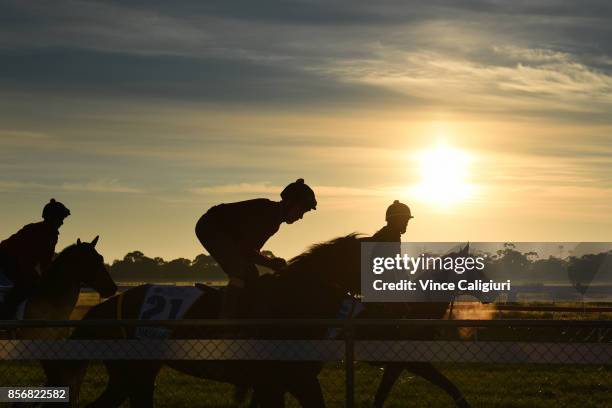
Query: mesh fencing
392	363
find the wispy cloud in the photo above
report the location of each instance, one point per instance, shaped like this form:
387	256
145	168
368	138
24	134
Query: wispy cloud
452	54
100	186
241	188
540	80
269	189
19	137
93	186
11	186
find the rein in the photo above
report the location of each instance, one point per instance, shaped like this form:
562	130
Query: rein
452	304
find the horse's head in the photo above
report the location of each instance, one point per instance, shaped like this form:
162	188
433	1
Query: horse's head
470	275
335	263
88	267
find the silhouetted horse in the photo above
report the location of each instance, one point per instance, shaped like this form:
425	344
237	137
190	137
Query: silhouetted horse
435	309
55	297
313	286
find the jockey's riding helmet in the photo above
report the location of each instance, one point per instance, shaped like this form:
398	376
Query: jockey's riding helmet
398	209
54	209
300	193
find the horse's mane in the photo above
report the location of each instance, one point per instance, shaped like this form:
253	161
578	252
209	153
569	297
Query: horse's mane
323	250
325	271
329	257
68	249
64	252
58	260
54	273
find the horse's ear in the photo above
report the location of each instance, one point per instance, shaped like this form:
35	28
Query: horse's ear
95	241
78	241
466	249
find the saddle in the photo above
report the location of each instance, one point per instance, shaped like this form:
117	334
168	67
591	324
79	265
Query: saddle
208	290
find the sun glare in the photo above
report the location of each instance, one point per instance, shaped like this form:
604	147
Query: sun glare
444	176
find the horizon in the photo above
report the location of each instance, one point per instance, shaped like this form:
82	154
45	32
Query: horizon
493	122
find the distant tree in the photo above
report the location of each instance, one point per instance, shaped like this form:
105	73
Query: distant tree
134	256
509	263
583	270
205	269
134	266
203	261
177	269
551	269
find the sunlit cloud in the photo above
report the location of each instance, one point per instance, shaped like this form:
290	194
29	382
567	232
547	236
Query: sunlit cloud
537	79
16	137
93	186
269	189
100	186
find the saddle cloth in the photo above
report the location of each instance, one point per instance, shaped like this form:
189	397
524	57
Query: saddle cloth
6	285
349	308
165	302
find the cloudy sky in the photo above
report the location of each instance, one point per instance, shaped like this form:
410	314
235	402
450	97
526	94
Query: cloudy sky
491	119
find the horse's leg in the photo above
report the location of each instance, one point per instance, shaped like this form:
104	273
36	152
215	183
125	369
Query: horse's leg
51	369
118	387
65	374
74	379
254	403
241	394
308	392
143	388
269	396
391	373
431	374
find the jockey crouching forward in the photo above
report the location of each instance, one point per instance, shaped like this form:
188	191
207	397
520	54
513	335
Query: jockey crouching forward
26	255
234	233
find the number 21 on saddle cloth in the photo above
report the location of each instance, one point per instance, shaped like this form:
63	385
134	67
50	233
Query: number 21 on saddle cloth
163	302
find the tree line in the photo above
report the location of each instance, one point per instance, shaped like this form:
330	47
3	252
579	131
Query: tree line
137	267
526	267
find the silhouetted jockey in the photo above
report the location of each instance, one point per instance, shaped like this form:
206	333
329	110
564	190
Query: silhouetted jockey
26	255
397	217
234	233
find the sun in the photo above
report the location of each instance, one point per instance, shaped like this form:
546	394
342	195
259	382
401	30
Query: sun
444	176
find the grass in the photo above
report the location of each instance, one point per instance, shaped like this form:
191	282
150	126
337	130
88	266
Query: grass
519	386
484	385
